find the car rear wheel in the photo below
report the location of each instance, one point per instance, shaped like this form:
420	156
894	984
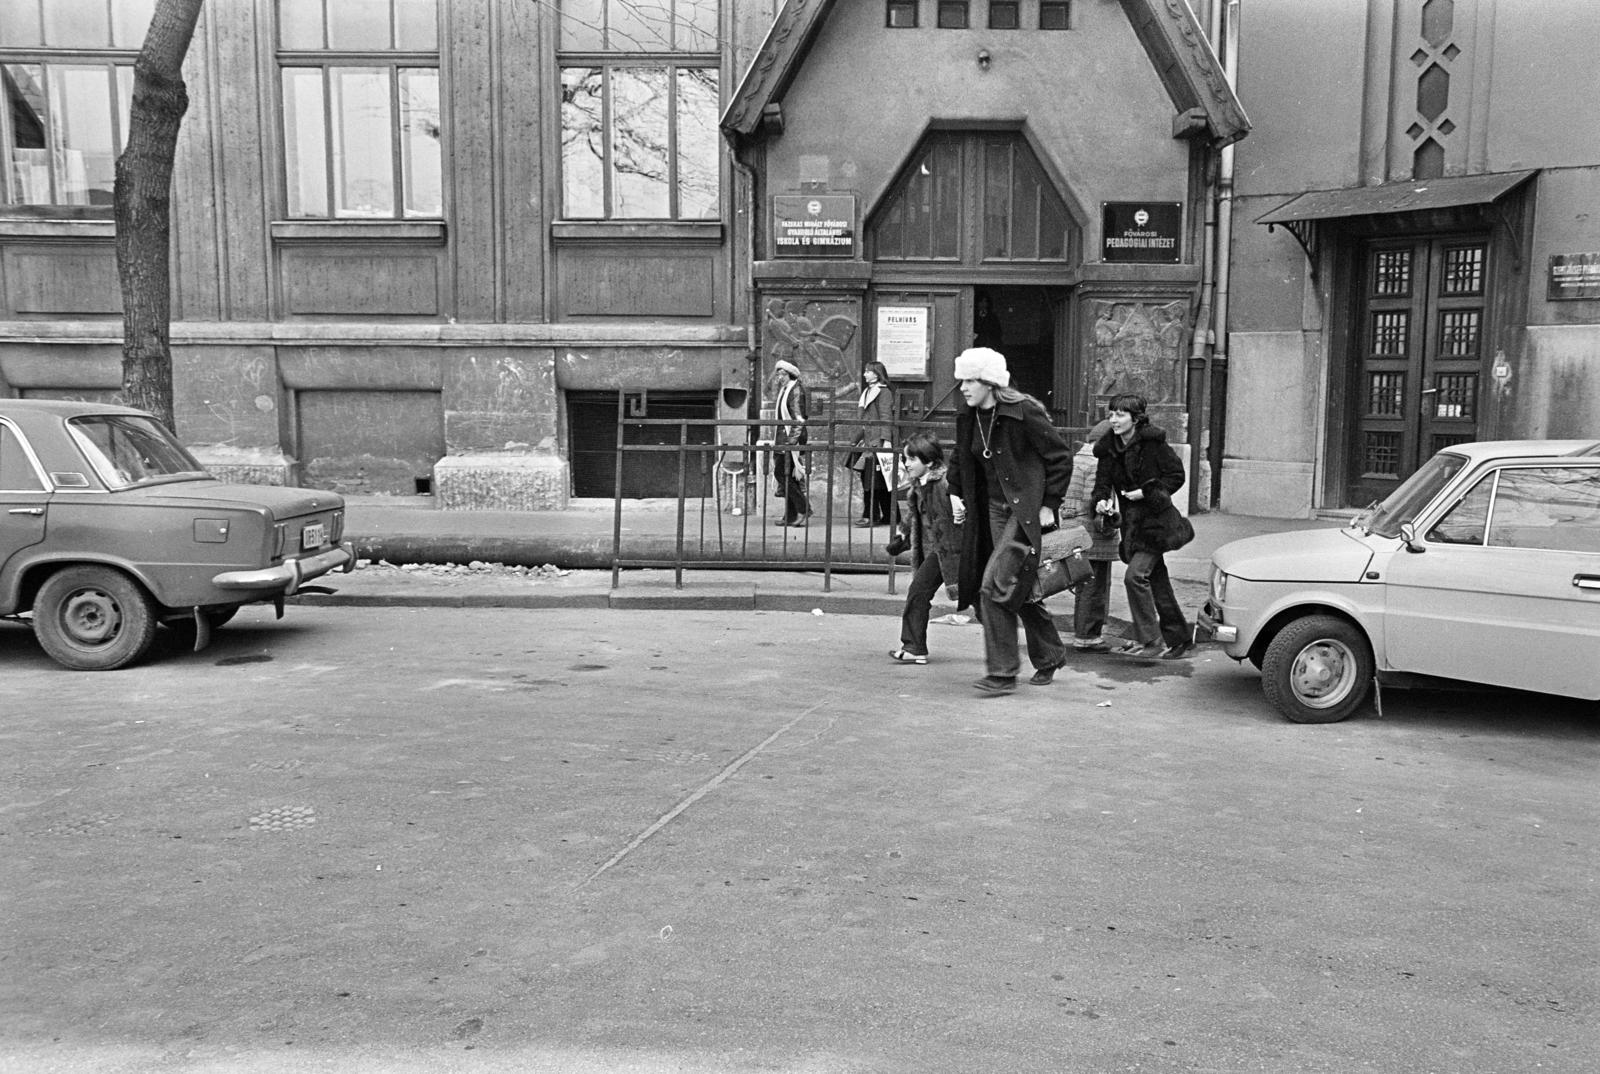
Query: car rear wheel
93	618
1317	670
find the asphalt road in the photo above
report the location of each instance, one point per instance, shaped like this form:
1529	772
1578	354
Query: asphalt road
365	840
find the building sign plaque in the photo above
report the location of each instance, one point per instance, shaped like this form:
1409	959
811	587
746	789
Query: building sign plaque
903	340
815	225
1573	276
1149	231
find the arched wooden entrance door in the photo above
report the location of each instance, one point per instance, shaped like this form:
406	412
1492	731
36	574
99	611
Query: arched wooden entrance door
975	232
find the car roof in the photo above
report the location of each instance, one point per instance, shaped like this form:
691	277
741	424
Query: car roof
1486	450
66	408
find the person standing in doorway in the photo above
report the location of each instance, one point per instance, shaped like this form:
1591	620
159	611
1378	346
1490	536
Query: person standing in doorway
874	447
1009	471
1136	474
788	461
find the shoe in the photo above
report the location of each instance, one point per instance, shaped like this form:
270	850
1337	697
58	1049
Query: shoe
953	619
1045	675
900	656
863	524
1091	645
994	684
1138	648
1176	652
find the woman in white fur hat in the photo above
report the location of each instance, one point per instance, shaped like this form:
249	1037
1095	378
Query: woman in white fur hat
1009	471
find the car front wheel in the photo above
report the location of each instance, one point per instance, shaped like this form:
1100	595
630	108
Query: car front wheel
1317	670
93	618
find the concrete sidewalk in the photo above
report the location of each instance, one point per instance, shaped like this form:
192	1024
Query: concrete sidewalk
417	555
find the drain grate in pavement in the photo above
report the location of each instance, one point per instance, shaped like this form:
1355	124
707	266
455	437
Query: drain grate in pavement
284	819
84	825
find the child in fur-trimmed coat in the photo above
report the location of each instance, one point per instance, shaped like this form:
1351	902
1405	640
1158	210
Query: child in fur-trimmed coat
930	532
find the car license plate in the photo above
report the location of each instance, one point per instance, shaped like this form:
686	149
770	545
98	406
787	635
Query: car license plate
314	536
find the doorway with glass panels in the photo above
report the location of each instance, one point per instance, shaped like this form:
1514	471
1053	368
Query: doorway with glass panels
1424	303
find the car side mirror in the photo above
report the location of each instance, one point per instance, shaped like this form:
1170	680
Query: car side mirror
1408	535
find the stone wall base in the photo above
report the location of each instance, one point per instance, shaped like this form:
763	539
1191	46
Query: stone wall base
238	467
488	482
1267	488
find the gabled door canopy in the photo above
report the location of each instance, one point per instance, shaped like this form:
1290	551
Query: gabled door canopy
1172	38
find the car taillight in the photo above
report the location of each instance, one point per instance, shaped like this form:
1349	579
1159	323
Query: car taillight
280	539
336	527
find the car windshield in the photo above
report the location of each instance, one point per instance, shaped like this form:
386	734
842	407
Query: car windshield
1416	492
128	450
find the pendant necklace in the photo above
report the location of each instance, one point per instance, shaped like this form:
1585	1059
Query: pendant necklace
985	436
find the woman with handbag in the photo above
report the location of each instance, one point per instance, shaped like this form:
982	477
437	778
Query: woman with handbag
1009	470
1136	473
873	458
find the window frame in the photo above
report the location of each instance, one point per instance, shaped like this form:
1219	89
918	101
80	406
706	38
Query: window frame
1063	8
902	6
118	67
1013	6
670	64
393	63
961	9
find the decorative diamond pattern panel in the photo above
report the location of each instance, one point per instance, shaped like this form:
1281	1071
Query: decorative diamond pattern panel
1457	396
1386	393
1463	271
1381	455
1458	333
1391	331
1392	272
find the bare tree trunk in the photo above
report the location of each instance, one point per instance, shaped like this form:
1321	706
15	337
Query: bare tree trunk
143	207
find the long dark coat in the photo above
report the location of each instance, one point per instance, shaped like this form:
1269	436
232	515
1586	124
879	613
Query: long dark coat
1152	466
1034	464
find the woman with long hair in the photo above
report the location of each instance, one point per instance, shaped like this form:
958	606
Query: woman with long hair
1007	475
874	445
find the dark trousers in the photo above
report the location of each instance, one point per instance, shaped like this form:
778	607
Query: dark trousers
1092	603
876	502
796	505
1153	606
1000	623
925	583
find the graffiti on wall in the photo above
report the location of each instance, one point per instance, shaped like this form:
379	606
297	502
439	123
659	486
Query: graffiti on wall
1138	347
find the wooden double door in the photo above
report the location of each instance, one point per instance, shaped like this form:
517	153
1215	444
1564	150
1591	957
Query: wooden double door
1421	326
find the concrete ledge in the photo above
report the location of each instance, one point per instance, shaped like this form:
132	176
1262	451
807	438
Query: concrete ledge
487	482
1267	488
245	467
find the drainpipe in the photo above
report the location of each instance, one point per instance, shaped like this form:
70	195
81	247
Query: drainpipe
1199	365
752	332
1217	362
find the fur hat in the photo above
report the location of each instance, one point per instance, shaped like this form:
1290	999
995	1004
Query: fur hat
982	363
787	367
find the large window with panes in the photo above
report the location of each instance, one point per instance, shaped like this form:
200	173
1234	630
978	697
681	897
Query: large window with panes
362	137
640	98
66	69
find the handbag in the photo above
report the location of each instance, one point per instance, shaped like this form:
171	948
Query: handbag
1062	565
1071	571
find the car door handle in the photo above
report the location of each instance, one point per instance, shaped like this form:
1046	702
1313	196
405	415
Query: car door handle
1586	581
26	511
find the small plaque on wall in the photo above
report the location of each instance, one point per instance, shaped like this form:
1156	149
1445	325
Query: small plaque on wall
1573	276
818	225
1147	231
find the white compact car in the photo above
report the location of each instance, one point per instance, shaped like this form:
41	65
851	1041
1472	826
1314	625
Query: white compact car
1483	567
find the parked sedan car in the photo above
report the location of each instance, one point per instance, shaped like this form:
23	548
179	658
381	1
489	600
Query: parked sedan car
1482	567
109	527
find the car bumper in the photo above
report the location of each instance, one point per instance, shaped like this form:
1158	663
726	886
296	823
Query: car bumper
1210	627
289	575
